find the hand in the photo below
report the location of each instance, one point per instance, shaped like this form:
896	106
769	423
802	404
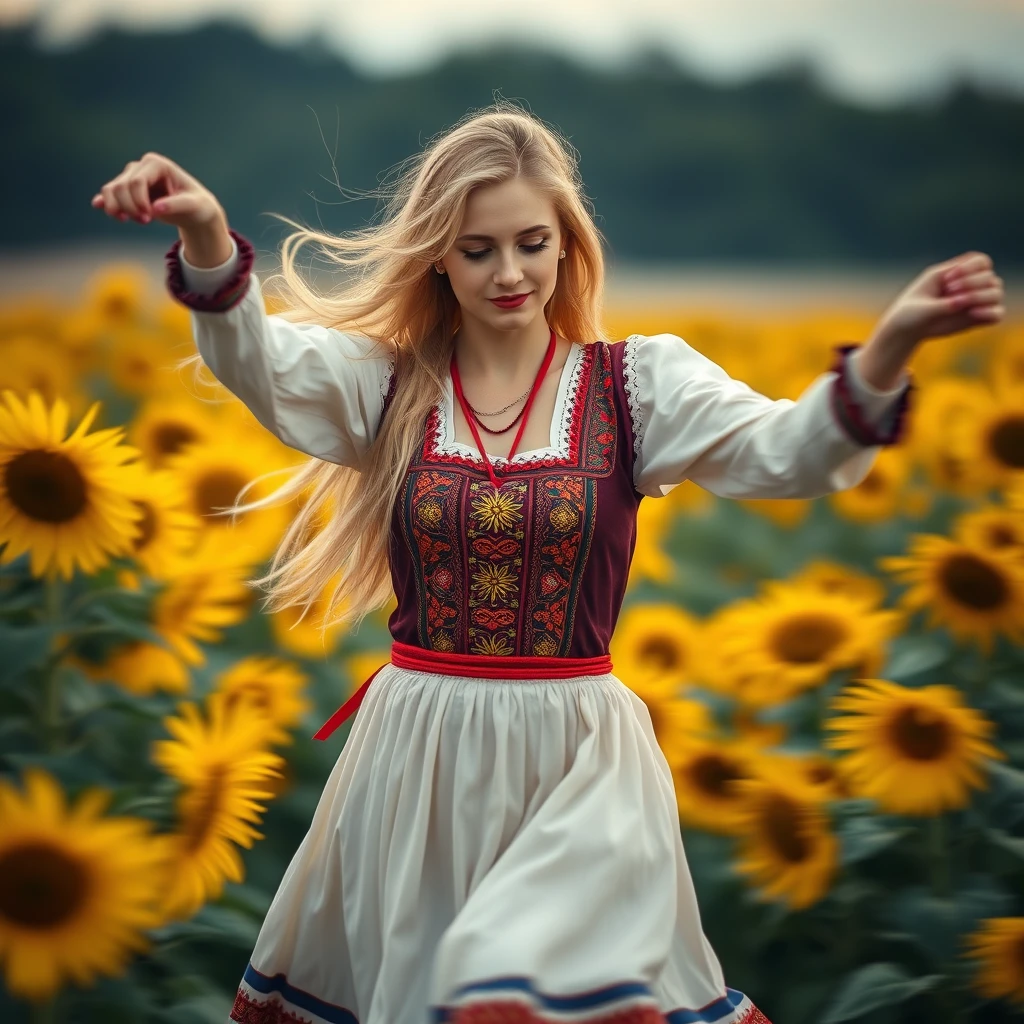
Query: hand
156	188
944	299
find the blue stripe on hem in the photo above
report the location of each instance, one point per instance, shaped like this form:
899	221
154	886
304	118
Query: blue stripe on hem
708	1014
279	983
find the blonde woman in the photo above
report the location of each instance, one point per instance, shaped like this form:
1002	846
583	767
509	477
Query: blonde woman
498	840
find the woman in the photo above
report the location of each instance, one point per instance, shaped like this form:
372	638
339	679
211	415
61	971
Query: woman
498	840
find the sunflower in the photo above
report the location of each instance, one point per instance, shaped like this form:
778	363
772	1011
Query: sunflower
1006	361
167	424
689	497
166	532
968	589
77	889
139	667
214	475
999	946
228	776
201	597
879	495
654	646
936	422
64	500
792	637
298	630
675	721
997	530
786	848
274	686
706	773
117	294
785	512
141	362
915	751
29	363
650	560
834	578
992	442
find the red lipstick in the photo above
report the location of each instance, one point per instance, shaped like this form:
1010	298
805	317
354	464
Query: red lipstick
510	301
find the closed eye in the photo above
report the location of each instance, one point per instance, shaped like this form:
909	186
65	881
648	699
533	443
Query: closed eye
479	254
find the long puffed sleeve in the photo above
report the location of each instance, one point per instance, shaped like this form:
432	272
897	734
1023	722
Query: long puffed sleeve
321	391
691	420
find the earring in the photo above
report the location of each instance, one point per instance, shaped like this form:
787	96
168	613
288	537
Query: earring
561	255
440	270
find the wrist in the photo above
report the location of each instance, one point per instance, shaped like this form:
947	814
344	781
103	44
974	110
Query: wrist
881	360
207	244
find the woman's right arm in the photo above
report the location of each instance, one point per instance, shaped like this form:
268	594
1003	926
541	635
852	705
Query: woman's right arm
321	391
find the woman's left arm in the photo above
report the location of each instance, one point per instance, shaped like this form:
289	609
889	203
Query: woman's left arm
691	420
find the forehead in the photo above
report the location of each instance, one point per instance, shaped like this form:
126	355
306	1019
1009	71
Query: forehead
503	210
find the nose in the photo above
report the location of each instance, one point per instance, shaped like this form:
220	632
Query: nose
509	272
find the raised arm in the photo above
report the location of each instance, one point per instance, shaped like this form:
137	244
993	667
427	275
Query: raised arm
319	390
691	420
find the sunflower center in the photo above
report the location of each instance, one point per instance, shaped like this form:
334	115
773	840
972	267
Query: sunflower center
147	525
921	734
1002	536
715	775
661	653
170	438
46	486
253	693
783	823
1007	442
805	639
217	489
821	773
973	582
40	886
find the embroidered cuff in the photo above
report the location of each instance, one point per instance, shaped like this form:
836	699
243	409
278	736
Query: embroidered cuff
228	295
850	415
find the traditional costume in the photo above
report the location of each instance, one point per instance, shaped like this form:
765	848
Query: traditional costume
499	840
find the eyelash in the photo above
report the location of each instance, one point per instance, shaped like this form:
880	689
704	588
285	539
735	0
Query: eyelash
481	253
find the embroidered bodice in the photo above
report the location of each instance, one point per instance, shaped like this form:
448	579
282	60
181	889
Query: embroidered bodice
538	566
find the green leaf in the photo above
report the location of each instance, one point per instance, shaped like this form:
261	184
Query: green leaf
873	986
862	838
1011	844
24	647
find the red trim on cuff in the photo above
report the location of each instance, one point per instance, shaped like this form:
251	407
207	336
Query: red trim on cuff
229	295
850	415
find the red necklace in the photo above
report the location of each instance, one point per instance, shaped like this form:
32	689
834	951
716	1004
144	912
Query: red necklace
471	419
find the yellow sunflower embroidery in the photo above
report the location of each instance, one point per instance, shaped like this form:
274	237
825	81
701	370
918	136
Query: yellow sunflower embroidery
494	583
497	510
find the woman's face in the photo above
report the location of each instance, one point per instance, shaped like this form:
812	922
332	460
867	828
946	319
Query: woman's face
507	245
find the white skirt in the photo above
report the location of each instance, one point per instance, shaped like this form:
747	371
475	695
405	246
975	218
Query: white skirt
491	850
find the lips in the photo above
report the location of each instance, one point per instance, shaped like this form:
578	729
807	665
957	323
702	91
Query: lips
510	301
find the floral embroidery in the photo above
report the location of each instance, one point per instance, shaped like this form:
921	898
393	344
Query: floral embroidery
494	563
564	516
270	1011
431	522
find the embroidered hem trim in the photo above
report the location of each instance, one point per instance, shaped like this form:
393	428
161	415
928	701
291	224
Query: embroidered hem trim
629	385
849	414
229	295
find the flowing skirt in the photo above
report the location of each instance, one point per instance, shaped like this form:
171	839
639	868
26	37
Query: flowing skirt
491	851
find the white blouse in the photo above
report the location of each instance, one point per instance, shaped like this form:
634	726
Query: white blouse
321	391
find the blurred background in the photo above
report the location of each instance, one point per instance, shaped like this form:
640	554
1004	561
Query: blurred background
838	684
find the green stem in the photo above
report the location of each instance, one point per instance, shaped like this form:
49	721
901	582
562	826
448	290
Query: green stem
51	717
937	858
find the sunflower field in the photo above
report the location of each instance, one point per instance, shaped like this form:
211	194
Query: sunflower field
838	685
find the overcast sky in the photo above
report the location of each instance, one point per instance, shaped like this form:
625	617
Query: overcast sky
876	51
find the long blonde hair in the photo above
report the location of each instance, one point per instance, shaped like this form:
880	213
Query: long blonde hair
342	530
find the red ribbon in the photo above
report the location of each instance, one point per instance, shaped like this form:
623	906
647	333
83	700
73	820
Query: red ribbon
481	666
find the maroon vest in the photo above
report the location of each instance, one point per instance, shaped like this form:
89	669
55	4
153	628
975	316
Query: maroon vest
538	567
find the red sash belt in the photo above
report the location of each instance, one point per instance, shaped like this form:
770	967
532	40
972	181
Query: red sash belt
483	666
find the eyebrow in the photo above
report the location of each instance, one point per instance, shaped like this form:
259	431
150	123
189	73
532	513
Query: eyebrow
488	238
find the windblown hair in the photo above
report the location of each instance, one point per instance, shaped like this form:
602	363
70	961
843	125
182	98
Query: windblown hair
393	295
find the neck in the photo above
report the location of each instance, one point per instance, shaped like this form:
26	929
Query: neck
489	355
